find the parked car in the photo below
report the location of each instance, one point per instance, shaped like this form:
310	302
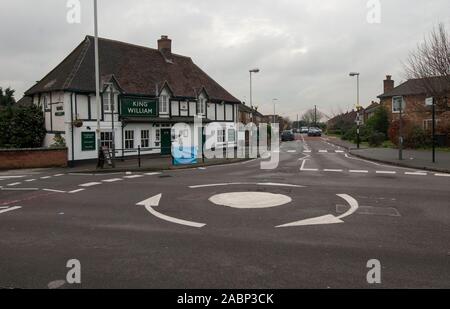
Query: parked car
304	130
314	132
287	136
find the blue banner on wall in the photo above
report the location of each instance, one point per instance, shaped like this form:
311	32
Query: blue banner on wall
184	155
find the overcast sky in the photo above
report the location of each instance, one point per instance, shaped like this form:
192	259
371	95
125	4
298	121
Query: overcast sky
304	48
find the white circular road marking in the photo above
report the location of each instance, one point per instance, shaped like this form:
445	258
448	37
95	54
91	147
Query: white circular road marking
250	200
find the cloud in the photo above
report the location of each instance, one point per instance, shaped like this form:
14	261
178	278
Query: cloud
304	49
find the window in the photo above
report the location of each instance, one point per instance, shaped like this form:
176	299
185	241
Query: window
231	135
145	138
221	136
106	139
164	104
107	102
44	99
158	135
201	103
129	139
428	124
396	101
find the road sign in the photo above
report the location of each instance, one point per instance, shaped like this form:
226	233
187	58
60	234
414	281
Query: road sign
429	102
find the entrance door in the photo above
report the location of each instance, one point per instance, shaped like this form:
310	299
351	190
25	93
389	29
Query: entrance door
166	141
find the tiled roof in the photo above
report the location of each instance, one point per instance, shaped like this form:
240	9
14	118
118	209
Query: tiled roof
138	70
419	86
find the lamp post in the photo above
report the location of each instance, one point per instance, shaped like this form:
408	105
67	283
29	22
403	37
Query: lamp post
251	92
97	80
358	120
273	101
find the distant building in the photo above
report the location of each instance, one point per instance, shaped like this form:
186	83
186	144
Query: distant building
414	95
370	110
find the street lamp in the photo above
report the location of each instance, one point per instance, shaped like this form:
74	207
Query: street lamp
97	80
256	70
358	122
273	101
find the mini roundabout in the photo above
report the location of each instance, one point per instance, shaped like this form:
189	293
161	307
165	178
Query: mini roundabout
247	200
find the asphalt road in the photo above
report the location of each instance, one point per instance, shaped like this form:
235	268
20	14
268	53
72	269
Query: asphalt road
180	239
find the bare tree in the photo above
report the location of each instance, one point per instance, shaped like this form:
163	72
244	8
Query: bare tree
430	64
312	116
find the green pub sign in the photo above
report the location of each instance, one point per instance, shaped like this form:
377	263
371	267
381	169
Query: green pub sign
138	107
88	141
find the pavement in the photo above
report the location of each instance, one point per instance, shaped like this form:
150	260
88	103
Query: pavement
419	159
313	222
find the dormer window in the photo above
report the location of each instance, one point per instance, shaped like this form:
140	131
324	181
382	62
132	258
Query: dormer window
164	104
201	106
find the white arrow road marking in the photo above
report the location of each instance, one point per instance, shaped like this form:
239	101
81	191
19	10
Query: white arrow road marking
154	202
327	219
10	209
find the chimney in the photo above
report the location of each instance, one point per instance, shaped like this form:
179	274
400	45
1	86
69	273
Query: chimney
165	47
388	83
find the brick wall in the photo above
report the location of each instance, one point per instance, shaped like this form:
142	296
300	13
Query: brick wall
32	158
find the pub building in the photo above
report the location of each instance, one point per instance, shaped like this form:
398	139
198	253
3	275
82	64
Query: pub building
144	92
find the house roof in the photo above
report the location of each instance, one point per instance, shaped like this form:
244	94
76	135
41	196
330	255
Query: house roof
419	86
248	109
136	69
372	107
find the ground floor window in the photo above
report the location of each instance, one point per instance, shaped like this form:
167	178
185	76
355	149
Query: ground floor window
158	135
145	138
428	124
129	139
221	136
106	139
231	135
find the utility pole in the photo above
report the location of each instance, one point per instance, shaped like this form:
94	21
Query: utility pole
315	115
400	132
358	121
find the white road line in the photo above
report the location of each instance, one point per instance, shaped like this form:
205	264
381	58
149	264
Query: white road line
442	175
10	177
58	175
292	151
10	209
339	151
332	170
359	171
46	177
323	151
76	191
416	173
307	151
19	189
13	184
133	176
52	190
303	165
386	172
112	180
310	170
272	184
90	184
30	180
153	174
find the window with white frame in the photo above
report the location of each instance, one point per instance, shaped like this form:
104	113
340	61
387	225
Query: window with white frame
397	104
45	102
221	136
201	106
106	139
158	135
145	138
129	139
107	104
231	135
164	104
428	124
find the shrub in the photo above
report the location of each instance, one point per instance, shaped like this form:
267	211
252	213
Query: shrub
376	139
416	137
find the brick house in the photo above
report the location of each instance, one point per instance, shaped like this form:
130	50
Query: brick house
414	95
